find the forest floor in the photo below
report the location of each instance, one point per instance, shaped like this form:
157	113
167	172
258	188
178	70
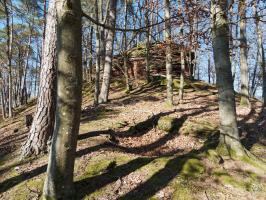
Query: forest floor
137	147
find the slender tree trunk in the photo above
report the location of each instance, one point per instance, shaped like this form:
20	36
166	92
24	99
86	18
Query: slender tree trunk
243	55
59	180
182	75
98	58
43	121
263	65
90	63
229	135
24	94
168	52
209	68
261	54
9	32
182	55
103	97
254	74
128	86
2	96
147	57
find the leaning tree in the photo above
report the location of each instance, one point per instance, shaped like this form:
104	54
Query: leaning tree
43	122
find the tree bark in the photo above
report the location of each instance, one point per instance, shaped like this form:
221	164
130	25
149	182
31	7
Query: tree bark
3	107
98	56
243	56
59	180
261	54
128	85
147	57
9	32
168	53
43	122
229	135
24	93
182	55
103	97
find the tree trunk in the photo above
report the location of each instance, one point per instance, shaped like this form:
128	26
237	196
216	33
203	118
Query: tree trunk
261	54
59	180
229	135
23	97
43	122
243	55
128	85
98	57
3	108
182	55
147	57
103	97
209	68
9	32
168	53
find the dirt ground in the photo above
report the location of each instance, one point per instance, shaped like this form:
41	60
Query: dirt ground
123	153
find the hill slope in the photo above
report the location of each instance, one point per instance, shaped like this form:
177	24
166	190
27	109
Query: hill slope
137	147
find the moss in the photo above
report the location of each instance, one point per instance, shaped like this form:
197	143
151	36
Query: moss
166	123
199	127
31	189
244	102
176	83
192	168
101	165
259	150
120	124
212	155
181	191
254	162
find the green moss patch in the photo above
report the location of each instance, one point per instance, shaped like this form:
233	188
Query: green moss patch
166	123
192	168
199	127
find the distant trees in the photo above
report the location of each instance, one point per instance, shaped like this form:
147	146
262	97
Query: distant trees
59	179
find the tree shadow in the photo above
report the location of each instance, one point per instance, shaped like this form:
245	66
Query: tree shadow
89	185
255	132
147	189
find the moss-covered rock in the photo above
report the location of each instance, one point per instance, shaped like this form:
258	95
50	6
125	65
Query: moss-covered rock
166	123
192	168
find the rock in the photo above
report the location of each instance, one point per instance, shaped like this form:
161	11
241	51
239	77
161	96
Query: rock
166	123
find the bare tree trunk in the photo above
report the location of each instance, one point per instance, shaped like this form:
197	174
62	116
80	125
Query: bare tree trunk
243	55
128	86
182	55
229	135
90	63
209	68
23	97
59	180
3	107
168	52
103	97
9	32
98	57
261	54
43	122
147	57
